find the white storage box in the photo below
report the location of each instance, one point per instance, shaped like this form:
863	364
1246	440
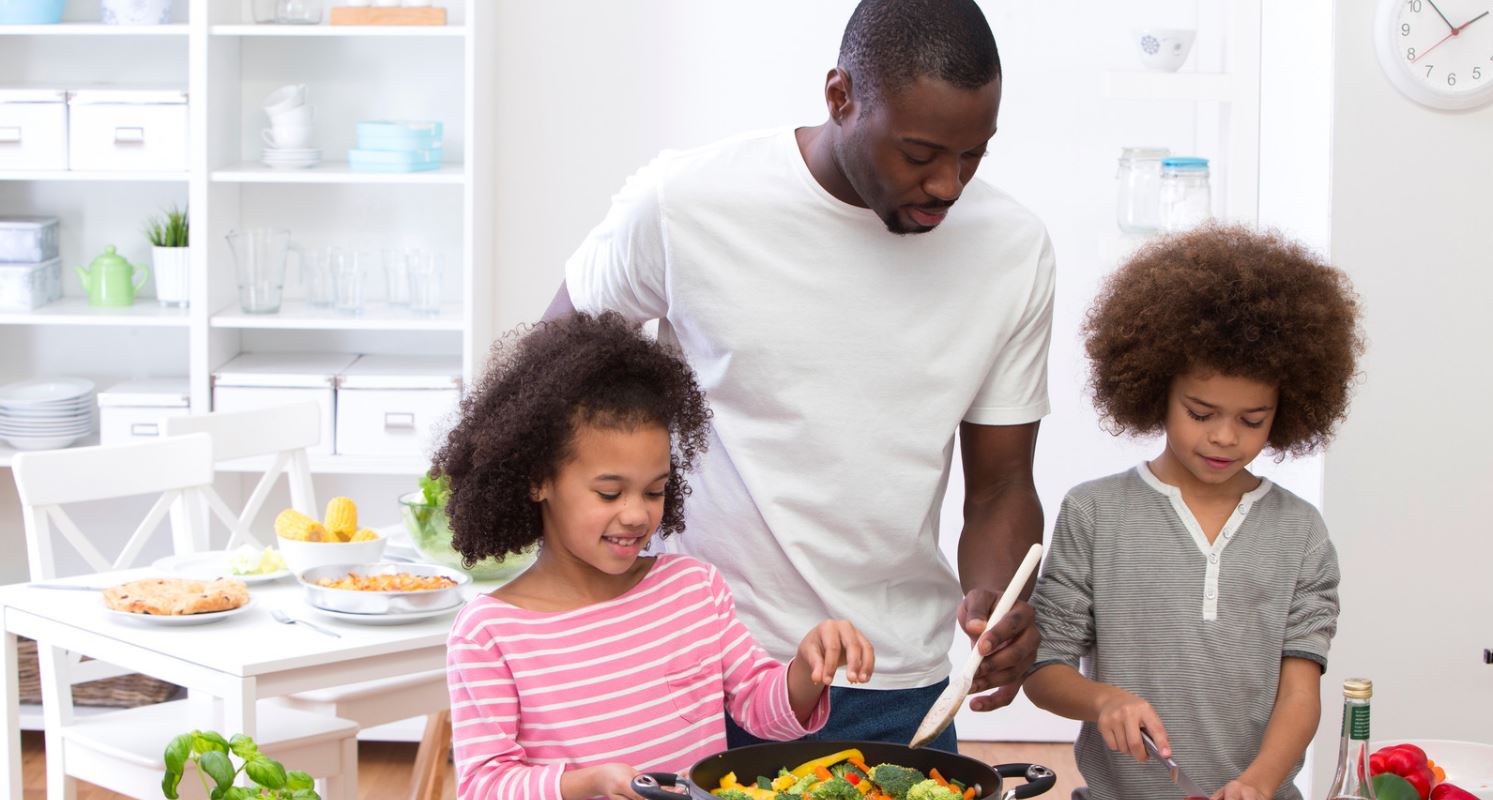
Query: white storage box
27	286
264	380
127	129
397	405
27	240
133	410
33	129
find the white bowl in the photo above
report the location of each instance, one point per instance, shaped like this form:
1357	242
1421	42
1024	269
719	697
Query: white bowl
1164	48
301	556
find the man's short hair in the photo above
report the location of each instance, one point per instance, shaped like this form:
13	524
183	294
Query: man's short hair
888	44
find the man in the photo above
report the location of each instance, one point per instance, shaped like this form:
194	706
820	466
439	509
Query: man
840	360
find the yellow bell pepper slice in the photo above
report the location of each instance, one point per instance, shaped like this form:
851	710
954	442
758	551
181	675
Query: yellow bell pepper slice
728	781
783	782
826	762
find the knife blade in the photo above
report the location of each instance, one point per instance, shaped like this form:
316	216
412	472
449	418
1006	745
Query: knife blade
1186	784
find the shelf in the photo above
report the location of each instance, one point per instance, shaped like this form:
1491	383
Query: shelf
1215	87
341	465
146	312
339	30
298	316
333	172
70	175
92	29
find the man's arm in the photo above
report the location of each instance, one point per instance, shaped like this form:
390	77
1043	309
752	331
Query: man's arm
560	306
1002	520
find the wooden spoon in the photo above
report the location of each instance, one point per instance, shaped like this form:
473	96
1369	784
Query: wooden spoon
947	705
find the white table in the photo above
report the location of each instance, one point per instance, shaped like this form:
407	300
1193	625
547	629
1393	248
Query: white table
238	660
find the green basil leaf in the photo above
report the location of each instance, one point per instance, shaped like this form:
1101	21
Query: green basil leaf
169	782
209	741
1389	786
218	767
177	753
266	772
304	794
243	747
297	780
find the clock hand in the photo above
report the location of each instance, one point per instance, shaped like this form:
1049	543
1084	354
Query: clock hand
1458	30
1443	16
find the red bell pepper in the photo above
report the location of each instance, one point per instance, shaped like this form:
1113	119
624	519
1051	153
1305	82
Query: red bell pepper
1408	762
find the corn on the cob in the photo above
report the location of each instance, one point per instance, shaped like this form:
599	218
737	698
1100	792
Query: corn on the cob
292	524
364	535
342	517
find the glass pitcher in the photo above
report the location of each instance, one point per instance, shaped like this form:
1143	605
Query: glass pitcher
259	256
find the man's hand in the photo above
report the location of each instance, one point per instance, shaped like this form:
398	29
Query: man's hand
1239	790
1008	652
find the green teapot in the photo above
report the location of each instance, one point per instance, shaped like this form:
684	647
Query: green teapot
111	280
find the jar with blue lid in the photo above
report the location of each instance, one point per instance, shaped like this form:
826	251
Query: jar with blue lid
1186	195
1138	195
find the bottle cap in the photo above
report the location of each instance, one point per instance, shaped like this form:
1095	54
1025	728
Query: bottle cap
1358	688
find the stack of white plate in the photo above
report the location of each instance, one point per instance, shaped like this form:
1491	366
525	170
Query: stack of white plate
46	413
292	157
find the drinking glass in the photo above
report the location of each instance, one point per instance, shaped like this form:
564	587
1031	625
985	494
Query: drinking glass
319	276
298	12
397	277
425	270
352	276
259	258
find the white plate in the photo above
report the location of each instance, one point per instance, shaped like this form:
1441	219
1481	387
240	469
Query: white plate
181	619
1468	765
44	390
42	443
46	430
211	565
385	619
81	406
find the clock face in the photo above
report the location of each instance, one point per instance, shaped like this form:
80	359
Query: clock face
1438	52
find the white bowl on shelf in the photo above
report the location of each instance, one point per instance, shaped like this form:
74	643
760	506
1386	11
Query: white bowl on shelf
1163	49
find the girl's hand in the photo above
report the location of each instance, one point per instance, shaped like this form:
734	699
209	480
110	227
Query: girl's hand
603	780
833	644
1121	716
1239	790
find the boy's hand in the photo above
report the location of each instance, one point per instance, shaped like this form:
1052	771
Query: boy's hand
1239	790
1121	716
832	644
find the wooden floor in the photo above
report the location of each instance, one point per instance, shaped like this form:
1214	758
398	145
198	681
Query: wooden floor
384	767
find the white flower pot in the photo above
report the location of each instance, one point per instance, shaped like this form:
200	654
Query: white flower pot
135	12
173	275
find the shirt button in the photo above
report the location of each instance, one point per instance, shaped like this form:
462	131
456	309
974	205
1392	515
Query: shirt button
1211	594
1241	507
1213	559
1227	534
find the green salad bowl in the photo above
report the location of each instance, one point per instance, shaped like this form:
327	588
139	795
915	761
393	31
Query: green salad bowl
430	530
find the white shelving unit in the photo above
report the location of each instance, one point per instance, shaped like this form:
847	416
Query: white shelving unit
227	64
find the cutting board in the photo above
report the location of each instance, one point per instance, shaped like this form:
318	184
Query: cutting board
351	15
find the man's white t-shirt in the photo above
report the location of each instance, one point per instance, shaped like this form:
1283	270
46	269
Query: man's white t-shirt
838	360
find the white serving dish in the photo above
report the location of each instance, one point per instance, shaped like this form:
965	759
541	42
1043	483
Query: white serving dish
33	129
396	405
127	129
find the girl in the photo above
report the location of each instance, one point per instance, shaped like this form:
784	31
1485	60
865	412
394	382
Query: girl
1203	598
597	663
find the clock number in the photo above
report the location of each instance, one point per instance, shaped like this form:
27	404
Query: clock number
1405	29
1429	67
1410	54
1415	6
1451	79
1477	73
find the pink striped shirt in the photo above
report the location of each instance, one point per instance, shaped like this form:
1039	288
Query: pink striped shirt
643	679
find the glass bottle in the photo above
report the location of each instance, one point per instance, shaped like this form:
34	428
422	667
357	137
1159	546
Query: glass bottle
1186	198
1352	778
1138	196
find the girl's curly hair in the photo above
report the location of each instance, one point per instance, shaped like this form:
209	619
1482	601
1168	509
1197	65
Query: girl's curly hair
1234	301
517	427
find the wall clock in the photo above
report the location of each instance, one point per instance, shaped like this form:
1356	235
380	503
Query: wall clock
1438	52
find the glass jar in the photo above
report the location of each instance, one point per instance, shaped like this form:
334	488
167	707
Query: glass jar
1138	197
1186	197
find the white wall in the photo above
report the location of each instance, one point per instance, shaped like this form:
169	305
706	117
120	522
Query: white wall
1407	476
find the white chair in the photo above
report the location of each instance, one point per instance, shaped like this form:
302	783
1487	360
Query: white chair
284	432
123	750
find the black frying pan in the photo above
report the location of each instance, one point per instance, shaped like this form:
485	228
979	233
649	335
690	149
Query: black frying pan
766	759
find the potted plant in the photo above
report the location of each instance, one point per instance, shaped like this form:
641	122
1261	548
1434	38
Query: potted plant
168	236
212	755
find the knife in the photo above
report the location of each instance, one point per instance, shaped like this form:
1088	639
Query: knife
1186	784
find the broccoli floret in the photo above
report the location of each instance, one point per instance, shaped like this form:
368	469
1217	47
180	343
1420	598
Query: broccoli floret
931	790
803	785
895	780
844	769
731	794
835	789
784	795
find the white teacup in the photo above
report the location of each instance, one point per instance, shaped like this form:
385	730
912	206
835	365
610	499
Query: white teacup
295	117
285	98
1164	48
287	136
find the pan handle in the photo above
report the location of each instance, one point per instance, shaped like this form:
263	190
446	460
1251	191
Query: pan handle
659	786
1038	779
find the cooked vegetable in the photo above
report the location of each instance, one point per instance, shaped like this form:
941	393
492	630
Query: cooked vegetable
342	517
292	524
807	768
835	789
845	769
731	794
931	789
895	780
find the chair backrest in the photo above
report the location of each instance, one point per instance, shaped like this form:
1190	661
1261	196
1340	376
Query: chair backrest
281	433
180	470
